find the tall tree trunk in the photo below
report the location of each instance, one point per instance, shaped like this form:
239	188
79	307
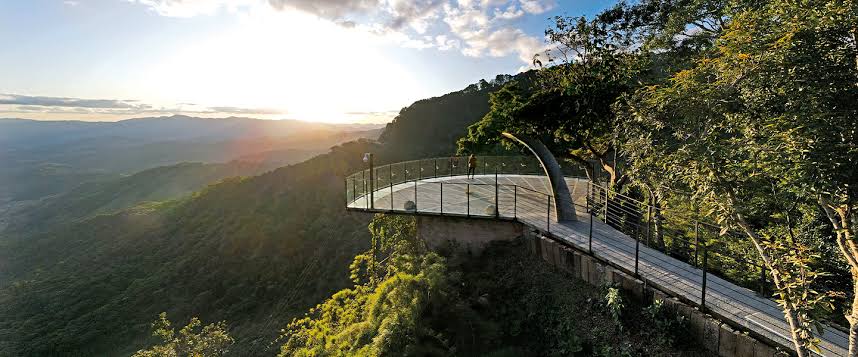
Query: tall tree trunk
844	224
788	306
853	317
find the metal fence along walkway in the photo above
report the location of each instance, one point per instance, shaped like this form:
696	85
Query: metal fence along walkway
683	257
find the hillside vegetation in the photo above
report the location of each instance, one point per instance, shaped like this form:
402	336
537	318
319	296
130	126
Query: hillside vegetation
256	252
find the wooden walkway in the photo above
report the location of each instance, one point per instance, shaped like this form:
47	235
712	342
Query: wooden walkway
524	198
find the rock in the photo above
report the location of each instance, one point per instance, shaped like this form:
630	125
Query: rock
410	206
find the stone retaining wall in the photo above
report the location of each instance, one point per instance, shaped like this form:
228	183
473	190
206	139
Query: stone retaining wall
716	336
467	235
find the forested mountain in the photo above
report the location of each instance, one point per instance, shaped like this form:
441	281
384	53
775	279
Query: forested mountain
430	127
22	134
112	195
42	158
256	251
253	251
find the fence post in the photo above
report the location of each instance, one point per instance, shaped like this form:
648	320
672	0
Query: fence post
497	208
415	195
590	232
703	289
390	171
372	184
548	216
365	195
354	189
696	242
441	198
606	203
648	225
468	198
638	247
515	201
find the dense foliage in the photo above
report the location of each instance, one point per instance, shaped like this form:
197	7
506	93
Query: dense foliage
112	195
746	107
255	251
431	127
191	340
407	301
252	251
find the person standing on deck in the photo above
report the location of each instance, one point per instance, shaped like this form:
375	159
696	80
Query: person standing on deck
472	165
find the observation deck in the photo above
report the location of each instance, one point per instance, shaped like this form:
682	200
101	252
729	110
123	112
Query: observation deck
686	259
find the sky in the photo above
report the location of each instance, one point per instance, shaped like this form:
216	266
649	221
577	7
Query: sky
316	60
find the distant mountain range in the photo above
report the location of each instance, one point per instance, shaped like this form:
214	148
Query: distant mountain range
43	158
88	268
22	134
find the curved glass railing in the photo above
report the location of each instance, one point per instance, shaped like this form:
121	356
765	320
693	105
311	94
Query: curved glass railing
359	184
438	186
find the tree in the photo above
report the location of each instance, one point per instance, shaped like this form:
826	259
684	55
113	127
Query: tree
801	66
764	120
396	283
191	340
569	108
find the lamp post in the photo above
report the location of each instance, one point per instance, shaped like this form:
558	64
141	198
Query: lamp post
367	157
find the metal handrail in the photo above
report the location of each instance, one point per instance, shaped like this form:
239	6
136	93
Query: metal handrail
686	240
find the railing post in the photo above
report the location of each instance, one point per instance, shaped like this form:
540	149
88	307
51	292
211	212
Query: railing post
606	204
548	216
637	251
762	280
354	189
371	184
590	232
415	195
363	177
468	198
648	224
497	208
515	201
696	242
441	198
703	288
390	171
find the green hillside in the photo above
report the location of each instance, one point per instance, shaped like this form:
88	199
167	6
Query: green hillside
112	195
255	251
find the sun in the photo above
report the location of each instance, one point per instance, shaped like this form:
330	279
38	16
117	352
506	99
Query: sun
302	66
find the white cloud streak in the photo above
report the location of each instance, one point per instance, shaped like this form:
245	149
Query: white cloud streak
43	104
477	28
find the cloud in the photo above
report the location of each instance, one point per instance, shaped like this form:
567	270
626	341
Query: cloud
15	99
42	104
329	9
190	8
239	110
511	13
475	27
537	6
